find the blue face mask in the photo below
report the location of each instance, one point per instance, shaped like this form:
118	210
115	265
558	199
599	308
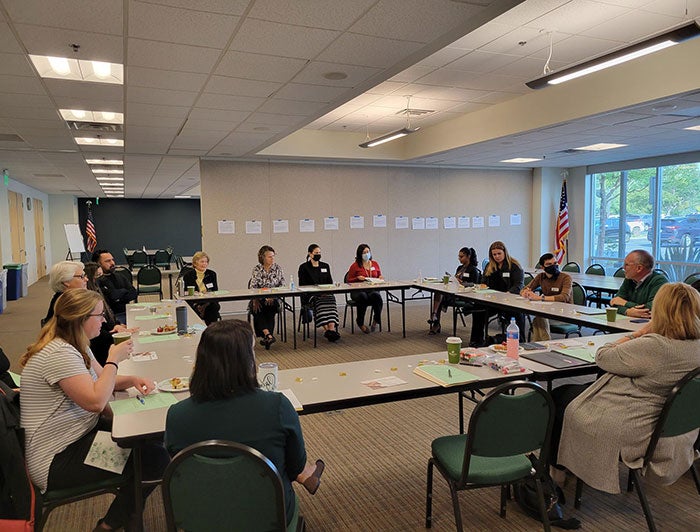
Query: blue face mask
366	256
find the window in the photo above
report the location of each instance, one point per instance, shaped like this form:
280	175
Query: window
656	209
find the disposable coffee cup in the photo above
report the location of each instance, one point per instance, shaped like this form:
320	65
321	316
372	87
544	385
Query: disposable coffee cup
190	290
445	279
454	344
611	313
267	376
121	337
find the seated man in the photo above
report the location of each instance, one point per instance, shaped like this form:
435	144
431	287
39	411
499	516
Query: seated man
117	290
555	285
641	283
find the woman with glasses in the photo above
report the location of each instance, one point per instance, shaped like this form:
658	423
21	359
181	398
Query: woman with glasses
64	275
65	393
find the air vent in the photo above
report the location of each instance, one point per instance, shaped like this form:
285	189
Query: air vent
415	112
10	137
95	127
572	150
49	175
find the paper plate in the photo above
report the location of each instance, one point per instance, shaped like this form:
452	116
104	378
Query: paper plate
156	333
501	350
168	386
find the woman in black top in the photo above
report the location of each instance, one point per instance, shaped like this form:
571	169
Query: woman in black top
203	280
467	274
325	309
502	273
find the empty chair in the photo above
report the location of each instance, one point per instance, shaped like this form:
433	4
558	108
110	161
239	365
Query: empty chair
162	259
567	329
149	281
597	296
620	272
693	277
139	259
662	272
571	267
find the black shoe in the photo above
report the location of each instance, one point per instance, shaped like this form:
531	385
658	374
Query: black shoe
334	336
435	328
327	334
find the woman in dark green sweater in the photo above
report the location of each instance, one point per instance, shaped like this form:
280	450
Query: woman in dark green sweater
227	403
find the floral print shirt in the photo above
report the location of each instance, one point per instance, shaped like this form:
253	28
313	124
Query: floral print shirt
263	279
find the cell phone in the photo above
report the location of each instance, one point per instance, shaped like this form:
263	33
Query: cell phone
639	320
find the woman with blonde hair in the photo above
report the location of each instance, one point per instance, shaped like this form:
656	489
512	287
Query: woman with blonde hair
204	280
266	274
65	391
613	418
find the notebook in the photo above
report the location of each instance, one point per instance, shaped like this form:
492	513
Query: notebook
590	310
555	360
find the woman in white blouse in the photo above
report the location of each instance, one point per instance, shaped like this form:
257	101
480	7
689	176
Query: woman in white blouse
267	274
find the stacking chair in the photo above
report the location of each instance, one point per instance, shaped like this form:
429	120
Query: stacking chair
149	281
679	415
306	321
162	259
692	278
620	272
350	304
125	273
567	329
222	485
129	258
463	308
662	272
597	296
503	427
484	263
571	267
139	259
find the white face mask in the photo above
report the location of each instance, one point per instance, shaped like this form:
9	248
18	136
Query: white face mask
366	256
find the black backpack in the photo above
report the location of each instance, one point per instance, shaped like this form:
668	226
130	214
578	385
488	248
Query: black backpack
18	497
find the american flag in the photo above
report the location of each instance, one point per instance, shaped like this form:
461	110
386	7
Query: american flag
90	232
562	231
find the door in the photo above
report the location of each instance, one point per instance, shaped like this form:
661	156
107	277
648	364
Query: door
19	254
38	208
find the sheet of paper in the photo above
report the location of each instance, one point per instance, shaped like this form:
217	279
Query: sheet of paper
384	382
144	356
515	219
226	227
463	222
401	222
151	401
253	227
449	222
357	222
289	394
307	225
477	222
418	223
431	222
280	226
153	339
379	220
146	317
106	454
330	223
494	220
15	377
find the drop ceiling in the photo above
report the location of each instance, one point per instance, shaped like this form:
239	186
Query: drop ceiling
253	79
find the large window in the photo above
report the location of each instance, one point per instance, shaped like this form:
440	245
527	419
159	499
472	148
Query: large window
656	209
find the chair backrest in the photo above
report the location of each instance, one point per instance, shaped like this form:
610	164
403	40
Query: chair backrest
662	272
139	258
620	272
578	293
162	258
125	273
595	269
527	278
222	485
692	278
484	263
571	267
149	274
507	423
680	413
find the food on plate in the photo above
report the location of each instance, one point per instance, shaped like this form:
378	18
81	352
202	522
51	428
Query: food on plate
166	328
500	348
177	383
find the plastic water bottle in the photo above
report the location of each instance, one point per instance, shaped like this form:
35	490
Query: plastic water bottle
292	286
420	277
513	340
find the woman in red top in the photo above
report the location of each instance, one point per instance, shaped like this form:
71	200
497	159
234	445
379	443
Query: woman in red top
360	270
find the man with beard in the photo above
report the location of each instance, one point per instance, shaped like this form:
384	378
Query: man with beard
117	290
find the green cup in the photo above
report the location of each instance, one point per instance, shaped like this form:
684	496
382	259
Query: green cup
121	337
446	279
454	344
611	313
190	290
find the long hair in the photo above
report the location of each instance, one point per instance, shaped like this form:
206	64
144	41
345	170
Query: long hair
225	364
492	266
92	284
358	253
676	312
71	311
262	251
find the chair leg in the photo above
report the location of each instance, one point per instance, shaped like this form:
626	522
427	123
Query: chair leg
454	321
455	505
504	497
695	477
543	508
577	496
634	473
429	496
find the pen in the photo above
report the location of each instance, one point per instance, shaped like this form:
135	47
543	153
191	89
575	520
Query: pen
140	399
470	364
449	373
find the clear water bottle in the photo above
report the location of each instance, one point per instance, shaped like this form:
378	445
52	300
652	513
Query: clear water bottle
513	340
292	286
419	280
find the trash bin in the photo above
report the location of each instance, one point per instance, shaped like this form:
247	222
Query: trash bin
13	289
3	282
24	280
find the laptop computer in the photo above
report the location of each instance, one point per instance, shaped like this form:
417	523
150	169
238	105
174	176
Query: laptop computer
590	310
555	360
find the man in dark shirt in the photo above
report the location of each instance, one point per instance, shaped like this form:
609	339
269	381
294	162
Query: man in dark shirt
117	289
641	283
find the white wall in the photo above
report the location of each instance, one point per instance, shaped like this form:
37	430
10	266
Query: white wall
64	210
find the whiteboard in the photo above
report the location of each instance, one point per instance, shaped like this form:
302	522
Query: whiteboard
74	237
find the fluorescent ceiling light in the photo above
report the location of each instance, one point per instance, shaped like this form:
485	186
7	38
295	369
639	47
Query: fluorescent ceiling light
105	178
693	128
81	115
107	170
99	142
600	147
78	69
182	197
665	40
388	137
105	161
521	160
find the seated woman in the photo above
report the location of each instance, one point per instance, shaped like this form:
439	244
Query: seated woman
227	403
467	273
204	280
63	276
267	274
365	268
325	309
502	273
5	375
613	418
64	392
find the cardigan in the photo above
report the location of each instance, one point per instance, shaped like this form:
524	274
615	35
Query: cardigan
357	270
640	294
190	279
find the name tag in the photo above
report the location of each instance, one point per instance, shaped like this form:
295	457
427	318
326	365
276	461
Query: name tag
372	269
506	274
465	276
209	285
555	289
324	270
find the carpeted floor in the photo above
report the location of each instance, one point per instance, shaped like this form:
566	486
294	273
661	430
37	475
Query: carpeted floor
376	456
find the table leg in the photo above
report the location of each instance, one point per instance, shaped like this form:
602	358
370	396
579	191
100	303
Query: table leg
170	283
138	490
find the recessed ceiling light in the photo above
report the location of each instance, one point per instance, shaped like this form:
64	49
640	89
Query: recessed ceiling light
81	115
78	69
99	142
600	147
107	171
105	161
693	128
335	76
521	160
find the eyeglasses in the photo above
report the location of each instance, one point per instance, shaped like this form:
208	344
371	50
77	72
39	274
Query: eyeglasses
100	315
81	276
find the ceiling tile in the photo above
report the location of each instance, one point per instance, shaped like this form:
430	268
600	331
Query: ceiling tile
362	50
632	27
412	74
15	65
256	66
167	56
43	40
8	43
142	109
135	119
164	79
241	87
313	73
101	16
329	14
479	61
212	125
80	90
160	96
273	38
21	85
199	113
309	93
578	16
276	119
229	103
225	7
290	107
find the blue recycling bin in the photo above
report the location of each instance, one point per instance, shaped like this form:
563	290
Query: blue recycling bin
3	282
14	281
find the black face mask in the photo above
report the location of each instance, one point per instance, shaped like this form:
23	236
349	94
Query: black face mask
552	270
316	257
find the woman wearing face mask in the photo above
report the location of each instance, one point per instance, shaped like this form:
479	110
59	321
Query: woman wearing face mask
325	309
366	268
502	273
554	285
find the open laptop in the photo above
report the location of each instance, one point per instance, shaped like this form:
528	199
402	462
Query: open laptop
555	360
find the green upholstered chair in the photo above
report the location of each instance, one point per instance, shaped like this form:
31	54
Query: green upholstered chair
560	327
596	298
595	269
503	427
149	281
462	308
620	272
692	278
139	259
222	485
679	415
571	267
162	259
663	272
